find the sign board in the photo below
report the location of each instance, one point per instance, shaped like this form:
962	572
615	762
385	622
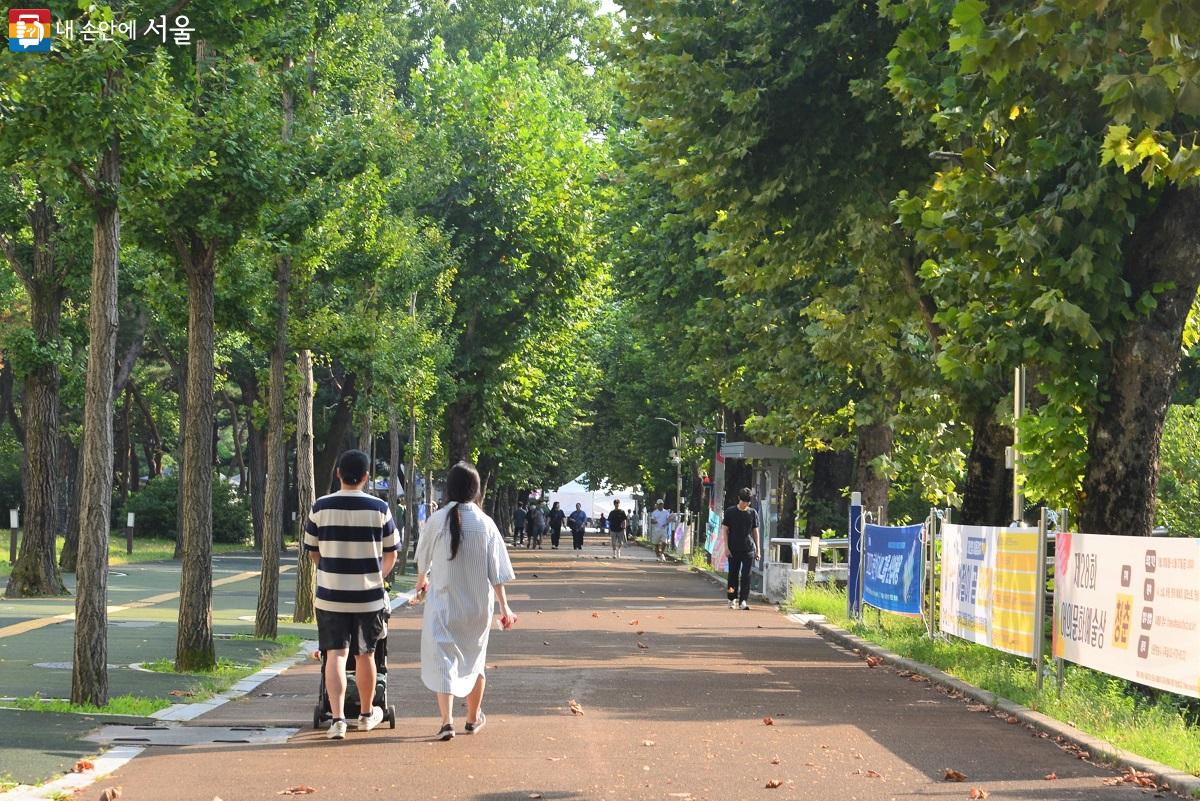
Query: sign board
854	585
1130	607
989	586
894	568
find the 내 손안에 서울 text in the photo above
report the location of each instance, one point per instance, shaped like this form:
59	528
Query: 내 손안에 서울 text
33	30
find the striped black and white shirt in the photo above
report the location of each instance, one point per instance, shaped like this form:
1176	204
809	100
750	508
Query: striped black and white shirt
351	530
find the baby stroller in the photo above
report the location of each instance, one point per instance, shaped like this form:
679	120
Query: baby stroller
321	712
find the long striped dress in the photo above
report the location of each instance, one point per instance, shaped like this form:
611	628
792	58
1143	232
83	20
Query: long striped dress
461	598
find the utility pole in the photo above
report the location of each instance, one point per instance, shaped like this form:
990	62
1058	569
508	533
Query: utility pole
1018	501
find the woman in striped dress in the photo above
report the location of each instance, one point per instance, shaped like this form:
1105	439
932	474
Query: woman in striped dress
463	564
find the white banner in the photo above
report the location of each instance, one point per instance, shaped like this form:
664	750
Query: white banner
1130	607
989	586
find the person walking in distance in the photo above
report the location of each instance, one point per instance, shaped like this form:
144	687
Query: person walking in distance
557	518
535	525
740	529
520	518
618	522
352	539
463	565
577	522
660	530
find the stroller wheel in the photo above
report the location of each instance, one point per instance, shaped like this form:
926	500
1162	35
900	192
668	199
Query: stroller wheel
391	716
317	716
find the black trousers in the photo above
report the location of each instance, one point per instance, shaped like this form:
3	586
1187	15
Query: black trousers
739	575
577	538
555	533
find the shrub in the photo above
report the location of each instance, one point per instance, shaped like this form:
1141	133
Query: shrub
155	506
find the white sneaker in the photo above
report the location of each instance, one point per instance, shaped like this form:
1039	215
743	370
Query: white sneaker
733	604
745	605
337	730
368	722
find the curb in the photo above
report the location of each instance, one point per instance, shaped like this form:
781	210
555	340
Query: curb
1177	781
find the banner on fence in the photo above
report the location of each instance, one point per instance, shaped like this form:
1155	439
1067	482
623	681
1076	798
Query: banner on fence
893	569
1130	607
989	586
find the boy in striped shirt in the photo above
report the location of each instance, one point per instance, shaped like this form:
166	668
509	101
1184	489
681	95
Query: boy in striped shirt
353	541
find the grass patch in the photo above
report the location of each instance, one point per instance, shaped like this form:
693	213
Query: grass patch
156	550
144	550
7	782
1153	724
118	705
226	673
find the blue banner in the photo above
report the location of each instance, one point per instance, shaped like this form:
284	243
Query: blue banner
894	568
856	561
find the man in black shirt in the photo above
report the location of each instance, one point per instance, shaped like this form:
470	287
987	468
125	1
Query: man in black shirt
740	528
617	523
519	518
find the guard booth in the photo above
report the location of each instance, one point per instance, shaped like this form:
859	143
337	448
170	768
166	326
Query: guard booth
779	552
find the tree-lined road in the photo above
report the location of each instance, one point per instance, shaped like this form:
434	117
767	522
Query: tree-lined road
673	686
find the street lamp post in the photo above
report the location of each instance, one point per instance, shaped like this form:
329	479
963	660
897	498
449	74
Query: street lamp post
677	458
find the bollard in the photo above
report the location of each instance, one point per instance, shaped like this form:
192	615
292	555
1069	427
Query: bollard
14	523
129	533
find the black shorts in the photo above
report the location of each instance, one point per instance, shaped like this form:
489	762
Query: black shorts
335	629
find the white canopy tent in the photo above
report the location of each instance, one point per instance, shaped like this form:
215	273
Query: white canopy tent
595	502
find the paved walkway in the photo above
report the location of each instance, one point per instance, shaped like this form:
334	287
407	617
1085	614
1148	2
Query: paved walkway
674	687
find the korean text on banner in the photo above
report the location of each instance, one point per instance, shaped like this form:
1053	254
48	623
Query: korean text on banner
1130	607
894	568
989	586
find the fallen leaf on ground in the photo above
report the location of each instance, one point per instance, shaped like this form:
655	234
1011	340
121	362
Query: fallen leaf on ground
977	794
1138	778
539	611
642	645
545	642
535	795
874	774
82	765
874	661
183	693
953	775
634	622
1051	777
648	743
1112	781
775	760
110	794
915	677
1012	720
576	709
768	720
978	708
595	614
299	789
773	783
640	632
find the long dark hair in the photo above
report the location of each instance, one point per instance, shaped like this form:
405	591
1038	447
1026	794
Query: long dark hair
462	486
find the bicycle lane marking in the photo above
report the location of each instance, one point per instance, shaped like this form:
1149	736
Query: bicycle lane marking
37	623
